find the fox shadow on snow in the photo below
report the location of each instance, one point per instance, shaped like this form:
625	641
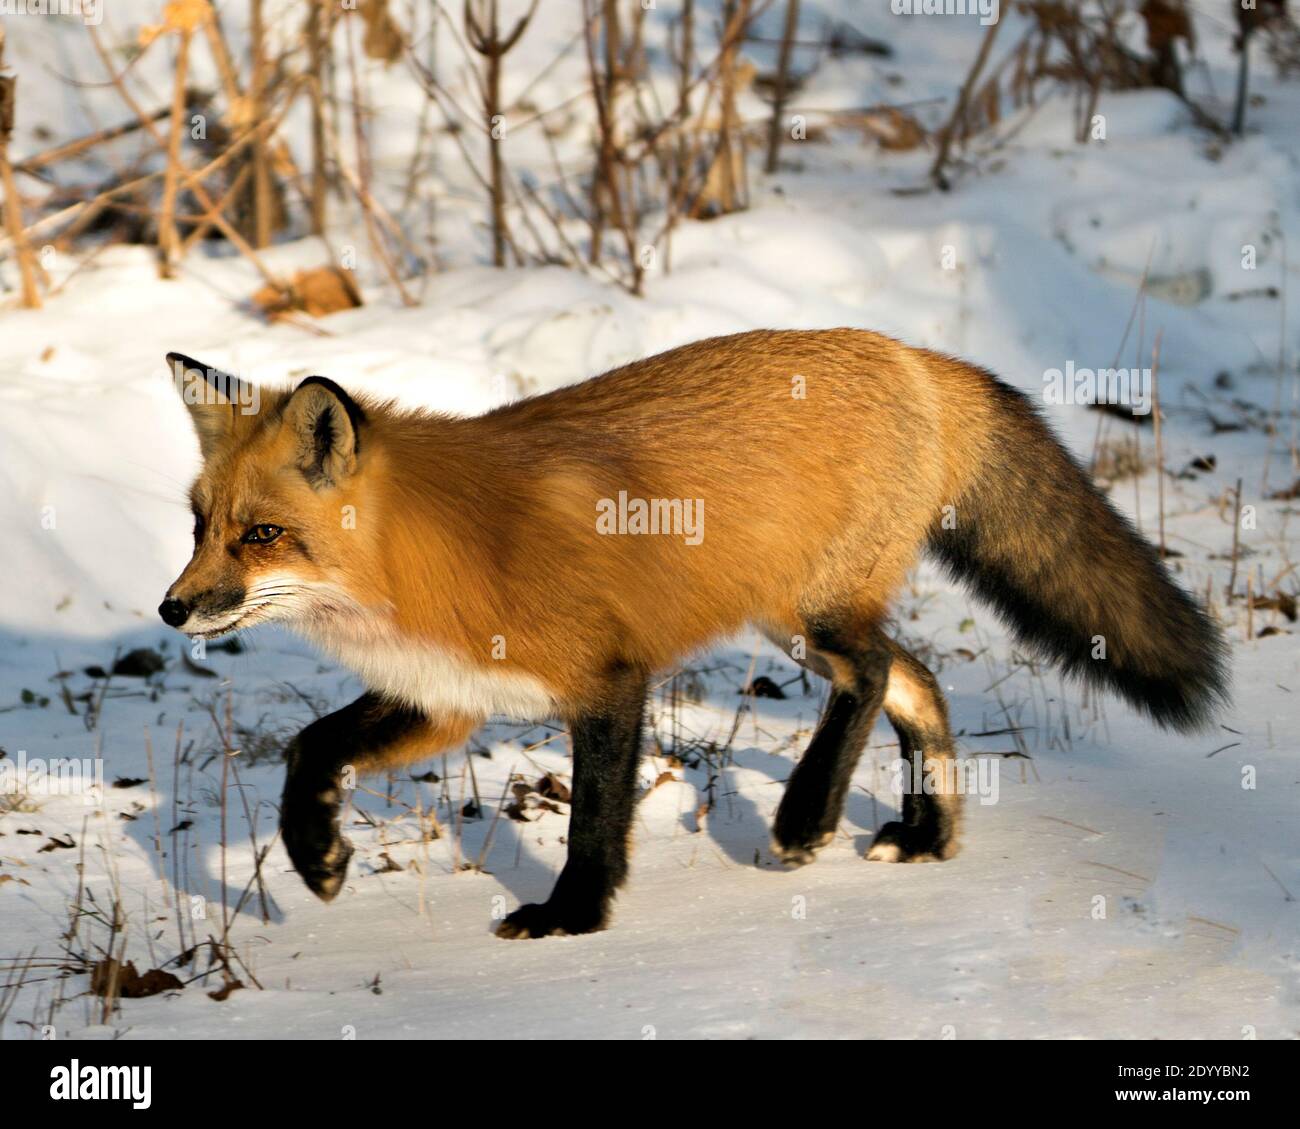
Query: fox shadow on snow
737	824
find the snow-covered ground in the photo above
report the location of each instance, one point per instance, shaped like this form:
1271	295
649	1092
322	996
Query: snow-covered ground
1126	882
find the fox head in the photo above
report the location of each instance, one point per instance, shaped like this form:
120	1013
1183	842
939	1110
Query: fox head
279	475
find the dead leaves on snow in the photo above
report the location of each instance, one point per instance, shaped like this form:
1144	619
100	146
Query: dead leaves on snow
110	978
546	794
316	292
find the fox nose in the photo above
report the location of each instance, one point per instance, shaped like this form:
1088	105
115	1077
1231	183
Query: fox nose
174	612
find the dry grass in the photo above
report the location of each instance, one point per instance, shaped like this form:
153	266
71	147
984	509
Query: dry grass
1119	460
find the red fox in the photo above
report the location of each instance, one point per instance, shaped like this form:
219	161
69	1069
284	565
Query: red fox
788	480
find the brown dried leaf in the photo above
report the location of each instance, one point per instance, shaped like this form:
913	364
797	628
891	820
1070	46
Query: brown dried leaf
553	789
56	843
764	687
662	778
517	812
186	15
223	993
109	975
384	39
1280	602
321	291
894	129
390	866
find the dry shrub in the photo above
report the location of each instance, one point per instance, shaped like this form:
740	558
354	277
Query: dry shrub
1118	460
1080	47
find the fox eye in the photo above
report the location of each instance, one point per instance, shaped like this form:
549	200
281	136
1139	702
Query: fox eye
261	534
199	526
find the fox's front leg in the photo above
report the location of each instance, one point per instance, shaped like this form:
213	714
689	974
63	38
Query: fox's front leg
370	734
606	749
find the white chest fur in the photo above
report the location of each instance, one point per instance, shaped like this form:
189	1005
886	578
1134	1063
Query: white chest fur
432	679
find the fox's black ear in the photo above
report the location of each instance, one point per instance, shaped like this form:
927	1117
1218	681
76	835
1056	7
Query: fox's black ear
216	400
327	423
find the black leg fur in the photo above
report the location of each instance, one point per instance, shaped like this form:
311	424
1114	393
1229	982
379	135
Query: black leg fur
814	799
309	808
606	750
929	829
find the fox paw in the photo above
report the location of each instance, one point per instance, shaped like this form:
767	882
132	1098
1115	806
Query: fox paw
318	851
799	850
800	828
324	876
896	842
545	919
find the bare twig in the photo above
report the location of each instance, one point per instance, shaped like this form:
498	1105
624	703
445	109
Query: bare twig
781	92
483	33
168	238
959	110
13	207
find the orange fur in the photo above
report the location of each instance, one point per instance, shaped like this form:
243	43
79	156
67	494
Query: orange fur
821	459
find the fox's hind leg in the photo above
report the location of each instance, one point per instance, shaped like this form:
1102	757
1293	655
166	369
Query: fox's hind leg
365	736
928	831
858	662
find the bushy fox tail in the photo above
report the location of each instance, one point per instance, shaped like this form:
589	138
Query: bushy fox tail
1073	579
